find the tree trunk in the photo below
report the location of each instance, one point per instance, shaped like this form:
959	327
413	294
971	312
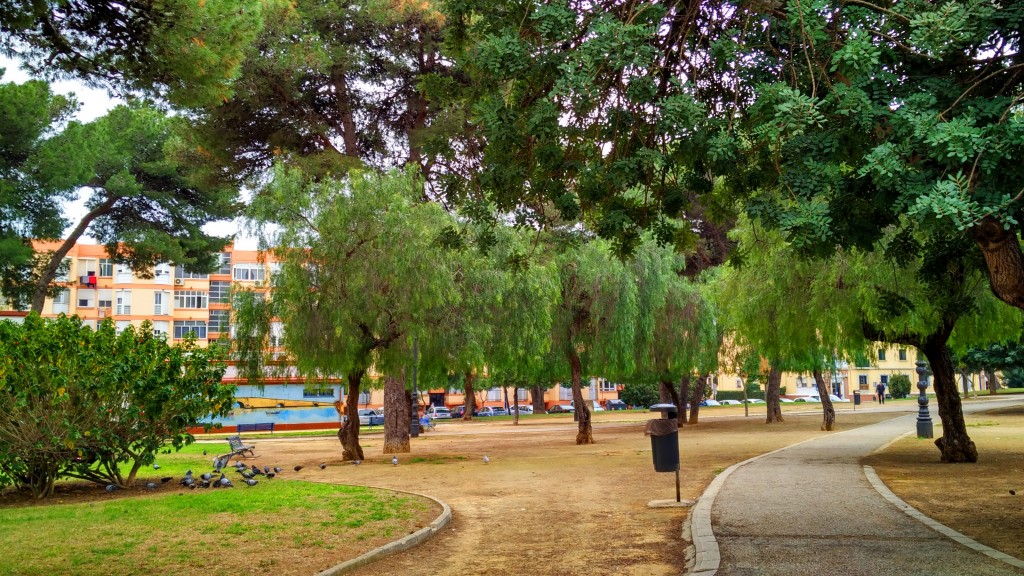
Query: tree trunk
696	396
991	381
955	445
1003	258
396	422
469	396
585	435
515	405
537	399
771	395
667	393
348	434
50	270
684	392
828	411
965	384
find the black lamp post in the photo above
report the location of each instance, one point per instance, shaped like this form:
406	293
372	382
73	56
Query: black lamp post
414	416
924	418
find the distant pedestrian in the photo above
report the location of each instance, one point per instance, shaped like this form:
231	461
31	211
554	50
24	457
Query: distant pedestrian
880	391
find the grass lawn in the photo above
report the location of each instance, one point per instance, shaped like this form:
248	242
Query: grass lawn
287	526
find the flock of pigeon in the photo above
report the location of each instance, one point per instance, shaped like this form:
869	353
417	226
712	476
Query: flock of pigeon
249	474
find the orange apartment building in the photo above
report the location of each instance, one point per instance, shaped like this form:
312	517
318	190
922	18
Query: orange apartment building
177	301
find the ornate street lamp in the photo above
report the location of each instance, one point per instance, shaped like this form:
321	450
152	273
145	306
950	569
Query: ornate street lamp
924	418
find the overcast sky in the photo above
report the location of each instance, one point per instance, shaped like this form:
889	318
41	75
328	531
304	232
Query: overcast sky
95	103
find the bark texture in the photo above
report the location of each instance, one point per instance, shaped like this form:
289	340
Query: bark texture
771	396
585	431
469	395
828	411
696	396
667	394
991	381
396	421
955	445
684	392
1004	260
537	399
348	434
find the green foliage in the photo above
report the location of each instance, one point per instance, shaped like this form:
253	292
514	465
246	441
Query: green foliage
899	385
1013	377
640	394
79	402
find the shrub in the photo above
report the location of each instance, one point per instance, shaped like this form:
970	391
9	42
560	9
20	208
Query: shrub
899	385
640	394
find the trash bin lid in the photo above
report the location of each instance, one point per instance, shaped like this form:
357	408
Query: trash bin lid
663	408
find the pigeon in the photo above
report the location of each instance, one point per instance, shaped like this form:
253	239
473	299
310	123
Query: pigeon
247	474
486	459
297	468
204	452
150	486
156	466
322	466
166	479
188	480
394	460
110	488
220	462
266	469
251	482
271	474
224	482
357	462
1013	492
277	469
207	476
205	483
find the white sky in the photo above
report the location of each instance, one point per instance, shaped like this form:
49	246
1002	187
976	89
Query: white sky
95	103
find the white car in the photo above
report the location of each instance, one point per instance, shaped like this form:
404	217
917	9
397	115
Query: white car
438	413
835	398
754	401
786	400
710	402
523	409
730	402
811	398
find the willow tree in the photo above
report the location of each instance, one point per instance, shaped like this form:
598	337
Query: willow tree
594	321
360	274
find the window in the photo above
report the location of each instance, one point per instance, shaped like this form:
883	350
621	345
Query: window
192	299
124	273
62	302
881	354
564	393
161	302
220	320
862	381
63	270
249	272
903	353
219	291
183	327
521	396
364	397
122	325
225	263
162	274
884	378
89	323
276	334
161	327
86	297
318	390
105	298
86	267
124	302
106	268
607	386
180	272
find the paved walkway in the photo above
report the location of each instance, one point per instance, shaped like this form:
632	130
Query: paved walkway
839	523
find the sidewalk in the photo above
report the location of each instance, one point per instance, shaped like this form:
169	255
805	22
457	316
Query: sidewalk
809	509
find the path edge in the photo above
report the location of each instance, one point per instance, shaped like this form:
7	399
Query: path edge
400	545
946	531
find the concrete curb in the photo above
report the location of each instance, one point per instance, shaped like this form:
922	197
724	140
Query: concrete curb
946	531
399	545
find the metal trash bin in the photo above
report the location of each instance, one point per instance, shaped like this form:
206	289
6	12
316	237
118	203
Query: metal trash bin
664	433
856	397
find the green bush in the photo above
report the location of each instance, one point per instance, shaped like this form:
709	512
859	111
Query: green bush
640	394
899	385
78	402
1013	378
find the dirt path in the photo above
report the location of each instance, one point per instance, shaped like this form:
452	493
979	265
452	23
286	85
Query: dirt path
544	505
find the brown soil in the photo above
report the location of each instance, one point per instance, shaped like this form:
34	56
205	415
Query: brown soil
975	499
546	506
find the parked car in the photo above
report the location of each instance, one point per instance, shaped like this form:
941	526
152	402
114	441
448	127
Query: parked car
710	402
458	412
835	398
730	402
561	409
615	404
523	409
438	413
598	407
490	411
368	417
754	401
787	400
811	398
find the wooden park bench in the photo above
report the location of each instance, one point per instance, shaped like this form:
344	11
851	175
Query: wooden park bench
258	427
238	448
